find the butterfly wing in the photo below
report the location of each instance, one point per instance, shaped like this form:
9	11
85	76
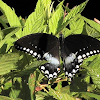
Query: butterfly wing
42	46
76	48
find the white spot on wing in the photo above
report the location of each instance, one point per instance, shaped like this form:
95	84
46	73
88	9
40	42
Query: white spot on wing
83	48
31	51
39	56
47	72
98	51
94	51
80	60
24	48
77	66
87	54
70	58
54	74
42	67
34	53
70	75
91	52
83	55
50	76
73	71
17	46
47	76
66	73
79	57
35	46
51	59
20	47
28	50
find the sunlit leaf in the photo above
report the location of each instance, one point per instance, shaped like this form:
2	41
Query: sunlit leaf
93	68
56	20
11	16
92	23
7	62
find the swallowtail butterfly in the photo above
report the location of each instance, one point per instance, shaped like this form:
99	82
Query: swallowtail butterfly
72	49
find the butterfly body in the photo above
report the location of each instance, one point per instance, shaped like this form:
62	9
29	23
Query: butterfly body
73	49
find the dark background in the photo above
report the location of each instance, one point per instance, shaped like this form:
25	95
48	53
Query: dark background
26	7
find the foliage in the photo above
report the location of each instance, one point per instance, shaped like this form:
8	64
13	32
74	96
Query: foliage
20	78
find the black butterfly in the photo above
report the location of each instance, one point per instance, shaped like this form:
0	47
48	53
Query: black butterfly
73	50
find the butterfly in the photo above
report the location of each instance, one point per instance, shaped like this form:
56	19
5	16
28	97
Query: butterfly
72	49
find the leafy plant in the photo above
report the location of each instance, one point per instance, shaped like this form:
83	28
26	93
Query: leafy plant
20	78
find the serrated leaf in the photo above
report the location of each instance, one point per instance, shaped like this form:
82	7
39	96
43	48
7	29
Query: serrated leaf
76	26
91	31
41	96
7	62
3	21
92	23
14	93
7	98
34	24
30	68
35	21
44	7
93	68
97	97
75	11
60	96
9	30
11	16
12	31
56	20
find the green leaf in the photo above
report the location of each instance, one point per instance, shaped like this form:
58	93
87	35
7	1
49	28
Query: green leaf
11	16
56	20
92	23
60	96
42	96
97	97
11	31
35	21
75	11
91	31
66	30
76	26
14	93
1	35
3	21
7	62
93	67
30	68
32	84
7	98
44	7
34	24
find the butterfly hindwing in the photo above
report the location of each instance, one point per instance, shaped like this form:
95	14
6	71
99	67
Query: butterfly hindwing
78	48
74	49
42	46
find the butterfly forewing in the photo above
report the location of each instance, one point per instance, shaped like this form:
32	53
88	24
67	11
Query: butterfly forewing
42	46
79	47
